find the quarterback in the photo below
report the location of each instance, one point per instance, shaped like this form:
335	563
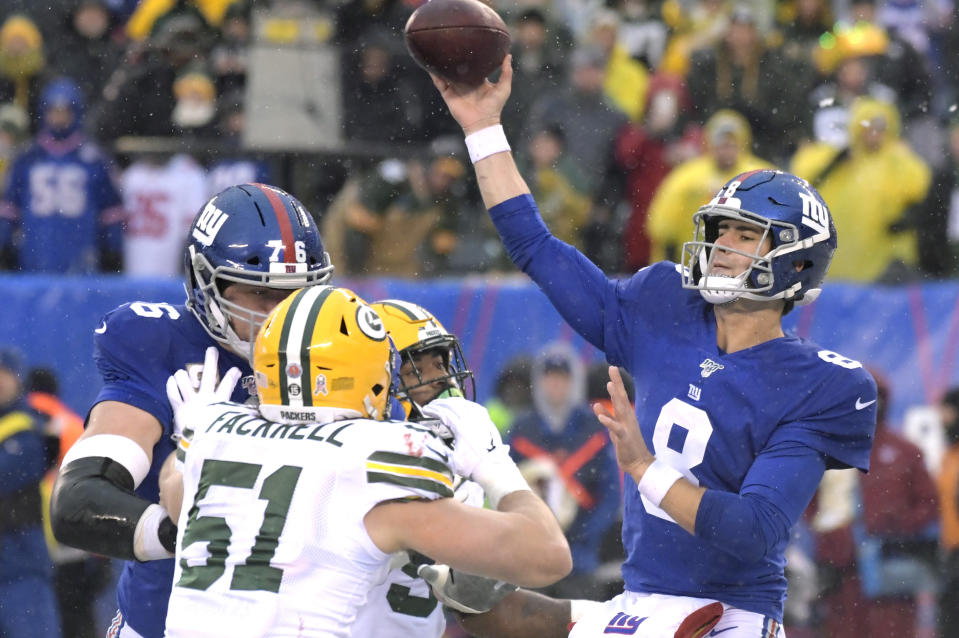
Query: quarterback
291	510
735	422
248	247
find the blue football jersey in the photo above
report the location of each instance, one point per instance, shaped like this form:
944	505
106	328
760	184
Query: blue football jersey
727	421
137	347
710	414
67	206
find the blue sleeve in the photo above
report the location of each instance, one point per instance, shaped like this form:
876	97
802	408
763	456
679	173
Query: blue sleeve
131	359
22	461
840	421
755	522
585	297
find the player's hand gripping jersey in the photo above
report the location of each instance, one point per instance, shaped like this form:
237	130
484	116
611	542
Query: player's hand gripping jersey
136	347
758	425
272	529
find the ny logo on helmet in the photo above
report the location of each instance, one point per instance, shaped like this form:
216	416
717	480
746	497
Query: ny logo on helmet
209	223
814	215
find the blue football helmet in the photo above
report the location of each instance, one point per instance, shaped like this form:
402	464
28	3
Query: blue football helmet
790	212
62	91
251	234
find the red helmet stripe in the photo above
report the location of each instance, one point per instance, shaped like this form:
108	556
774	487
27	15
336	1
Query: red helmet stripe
283	220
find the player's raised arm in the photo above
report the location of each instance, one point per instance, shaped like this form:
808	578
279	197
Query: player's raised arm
574	285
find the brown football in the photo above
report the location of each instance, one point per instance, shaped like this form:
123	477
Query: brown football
459	40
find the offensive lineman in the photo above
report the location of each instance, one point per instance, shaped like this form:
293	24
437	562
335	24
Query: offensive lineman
248	247
737	421
291	510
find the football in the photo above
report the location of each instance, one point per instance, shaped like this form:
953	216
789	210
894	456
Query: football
460	40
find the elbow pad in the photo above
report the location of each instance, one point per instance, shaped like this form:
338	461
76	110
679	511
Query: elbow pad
93	507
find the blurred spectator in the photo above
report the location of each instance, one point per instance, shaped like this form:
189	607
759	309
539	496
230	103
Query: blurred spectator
161	196
512	394
937	226
902	68
879	559
850	62
229	57
380	102
22	62
870	186
231	165
78	576
140	97
28	607
948	484
60	196
642	31
194	107
801	25
150	15
565	453
626	79
647	153
581	111
743	74
87	50
14	129
695	26
398	218
539	50
694	182
356	18
557	184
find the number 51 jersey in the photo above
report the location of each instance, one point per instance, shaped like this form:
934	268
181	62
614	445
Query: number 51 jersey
271	537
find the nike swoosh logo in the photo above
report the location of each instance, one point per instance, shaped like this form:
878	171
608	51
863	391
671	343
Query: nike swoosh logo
716	632
862	406
102	328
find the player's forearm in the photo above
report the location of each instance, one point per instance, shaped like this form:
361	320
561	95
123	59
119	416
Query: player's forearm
539	550
682	503
521	614
499	179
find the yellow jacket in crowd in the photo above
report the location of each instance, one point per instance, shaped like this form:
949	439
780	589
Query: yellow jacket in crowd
868	189
695	182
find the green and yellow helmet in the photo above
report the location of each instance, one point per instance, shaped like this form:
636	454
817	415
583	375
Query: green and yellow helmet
322	347
414	329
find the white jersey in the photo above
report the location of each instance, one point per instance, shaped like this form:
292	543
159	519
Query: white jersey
161	201
271	539
404	605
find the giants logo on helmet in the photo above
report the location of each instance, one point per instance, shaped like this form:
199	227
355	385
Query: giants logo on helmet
814	215
209	223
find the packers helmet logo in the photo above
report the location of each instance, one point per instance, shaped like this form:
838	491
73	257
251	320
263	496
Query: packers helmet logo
370	323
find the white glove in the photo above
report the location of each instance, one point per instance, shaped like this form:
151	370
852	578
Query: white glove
464	592
185	399
478	450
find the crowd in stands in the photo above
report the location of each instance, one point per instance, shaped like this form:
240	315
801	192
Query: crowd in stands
627	115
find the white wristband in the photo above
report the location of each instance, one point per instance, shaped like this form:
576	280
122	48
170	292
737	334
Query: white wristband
499	476
486	142
657	480
146	537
